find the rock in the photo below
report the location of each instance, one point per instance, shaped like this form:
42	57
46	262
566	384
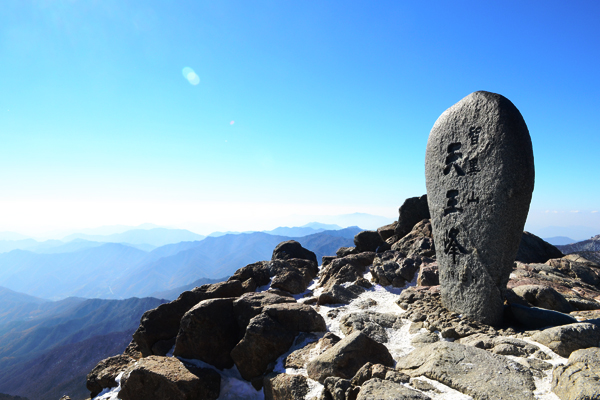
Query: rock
162	323
512	347
538	318
533	249
579	379
563	340
167	378
472	371
370	323
104	373
300	357
293	281
387	231
162	347
345	269
428	275
339	389
285	387
424	338
543	297
340	294
292	249
264	341
479	177
387	390
249	305
345	251
577	267
418	242
370	371
367	241
423	386
412	211
259	272
208	332
347	356
296	317
394	268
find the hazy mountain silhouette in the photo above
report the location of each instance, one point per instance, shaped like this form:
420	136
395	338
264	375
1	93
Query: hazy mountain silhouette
156	236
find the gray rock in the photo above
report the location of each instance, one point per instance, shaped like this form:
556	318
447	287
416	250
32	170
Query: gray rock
538	318
563	340
167	378
346	357
543	297
296	317
412	211
377	389
299	358
370	323
579	379
423	339
340	294
418	242
387	231
292	249
479	176
428	275
338	388
370	371
250	305
472	371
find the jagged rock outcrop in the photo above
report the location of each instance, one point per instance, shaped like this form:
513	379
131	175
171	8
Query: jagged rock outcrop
412	211
104	375
533	249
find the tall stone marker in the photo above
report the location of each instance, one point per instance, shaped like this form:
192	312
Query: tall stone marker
480	175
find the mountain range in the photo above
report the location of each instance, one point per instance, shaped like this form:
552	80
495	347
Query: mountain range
54	344
592	244
117	271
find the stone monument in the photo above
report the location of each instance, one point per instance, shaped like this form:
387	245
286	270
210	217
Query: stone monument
480	176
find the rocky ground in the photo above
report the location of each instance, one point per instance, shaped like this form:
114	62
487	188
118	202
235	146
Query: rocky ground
367	324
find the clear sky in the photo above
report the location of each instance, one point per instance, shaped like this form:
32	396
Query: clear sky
237	114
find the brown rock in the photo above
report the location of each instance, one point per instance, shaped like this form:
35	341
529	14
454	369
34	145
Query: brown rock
104	373
167	378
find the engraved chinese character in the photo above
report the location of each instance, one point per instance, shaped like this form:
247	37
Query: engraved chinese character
474	132
452	202
451	245
452	159
473	168
472	198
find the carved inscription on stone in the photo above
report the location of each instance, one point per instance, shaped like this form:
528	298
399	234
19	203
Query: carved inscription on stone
480	174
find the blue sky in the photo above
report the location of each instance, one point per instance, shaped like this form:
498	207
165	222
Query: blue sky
302	108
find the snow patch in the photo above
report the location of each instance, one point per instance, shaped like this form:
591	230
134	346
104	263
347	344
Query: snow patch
446	392
233	386
111	393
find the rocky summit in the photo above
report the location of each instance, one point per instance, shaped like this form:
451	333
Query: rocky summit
370	323
452	301
479	175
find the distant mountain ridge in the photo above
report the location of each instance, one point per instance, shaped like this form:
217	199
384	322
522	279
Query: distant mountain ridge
155	236
592	244
113	270
559	240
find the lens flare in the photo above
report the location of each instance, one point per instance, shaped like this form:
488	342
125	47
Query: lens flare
190	75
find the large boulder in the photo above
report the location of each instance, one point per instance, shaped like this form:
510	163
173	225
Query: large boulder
537	318
167	378
299	358
346	357
292	249
249	305
543	297
533	249
579	379
565	339
264	341
388	390
394	268
209	332
162	323
412	211
296	317
367	241
472	371
339	294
